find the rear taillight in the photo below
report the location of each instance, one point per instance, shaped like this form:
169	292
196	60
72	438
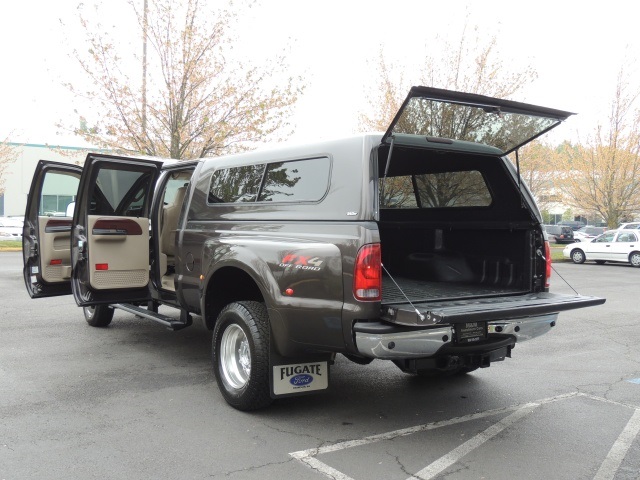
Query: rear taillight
367	274
547	255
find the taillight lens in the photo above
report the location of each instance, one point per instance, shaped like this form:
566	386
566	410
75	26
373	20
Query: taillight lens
547	255
367	275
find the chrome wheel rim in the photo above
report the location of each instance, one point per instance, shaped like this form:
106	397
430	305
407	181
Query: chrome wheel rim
89	311
577	257
235	357
635	259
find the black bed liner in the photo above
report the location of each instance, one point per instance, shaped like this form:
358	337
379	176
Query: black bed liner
397	291
447	303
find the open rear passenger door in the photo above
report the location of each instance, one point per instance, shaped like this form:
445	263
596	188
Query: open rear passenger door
110	238
46	235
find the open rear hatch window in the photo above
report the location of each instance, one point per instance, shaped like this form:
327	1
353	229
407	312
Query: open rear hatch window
444	116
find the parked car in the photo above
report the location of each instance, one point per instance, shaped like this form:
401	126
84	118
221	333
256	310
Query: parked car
17	218
587	233
629	226
559	233
574	224
611	246
10	229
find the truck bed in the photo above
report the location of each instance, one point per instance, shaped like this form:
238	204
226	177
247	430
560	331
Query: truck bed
398	290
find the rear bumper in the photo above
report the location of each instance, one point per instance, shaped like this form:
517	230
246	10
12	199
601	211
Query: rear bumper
392	342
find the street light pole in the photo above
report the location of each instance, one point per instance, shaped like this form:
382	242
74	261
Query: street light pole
144	68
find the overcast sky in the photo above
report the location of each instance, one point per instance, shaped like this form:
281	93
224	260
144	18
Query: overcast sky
576	47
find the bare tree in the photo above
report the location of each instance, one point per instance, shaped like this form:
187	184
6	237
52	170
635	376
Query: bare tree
196	102
470	65
603	173
539	168
8	155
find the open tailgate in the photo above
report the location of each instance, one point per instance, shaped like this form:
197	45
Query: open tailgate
485	309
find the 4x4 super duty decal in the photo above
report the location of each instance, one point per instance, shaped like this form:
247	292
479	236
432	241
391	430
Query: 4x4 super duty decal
302	262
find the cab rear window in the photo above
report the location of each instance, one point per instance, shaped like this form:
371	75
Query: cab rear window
435	190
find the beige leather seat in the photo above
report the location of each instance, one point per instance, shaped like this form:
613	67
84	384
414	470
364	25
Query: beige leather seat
170	223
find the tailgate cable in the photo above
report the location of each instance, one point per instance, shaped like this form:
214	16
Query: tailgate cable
539	252
420	316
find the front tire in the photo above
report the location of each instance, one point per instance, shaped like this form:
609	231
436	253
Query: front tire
634	259
240	354
577	256
98	315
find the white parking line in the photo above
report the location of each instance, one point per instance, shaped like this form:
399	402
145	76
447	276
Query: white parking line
456	454
607	470
617	453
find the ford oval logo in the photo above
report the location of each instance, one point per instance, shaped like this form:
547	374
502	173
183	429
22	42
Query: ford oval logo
302	379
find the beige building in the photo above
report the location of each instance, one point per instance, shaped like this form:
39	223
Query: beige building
18	174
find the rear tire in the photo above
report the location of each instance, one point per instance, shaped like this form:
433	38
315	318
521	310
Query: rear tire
98	315
240	354
577	256
634	259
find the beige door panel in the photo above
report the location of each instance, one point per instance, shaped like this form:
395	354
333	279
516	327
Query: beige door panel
118	252
55	248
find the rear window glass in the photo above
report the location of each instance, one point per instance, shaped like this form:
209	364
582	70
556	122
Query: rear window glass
303	180
239	184
295	181
435	190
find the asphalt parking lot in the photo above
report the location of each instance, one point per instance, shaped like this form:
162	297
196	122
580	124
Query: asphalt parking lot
137	401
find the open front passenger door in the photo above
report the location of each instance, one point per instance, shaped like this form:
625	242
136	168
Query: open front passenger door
110	238
46	235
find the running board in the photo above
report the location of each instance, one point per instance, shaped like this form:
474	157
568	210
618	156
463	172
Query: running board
169	322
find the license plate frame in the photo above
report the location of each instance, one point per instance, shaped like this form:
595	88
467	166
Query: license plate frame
470	332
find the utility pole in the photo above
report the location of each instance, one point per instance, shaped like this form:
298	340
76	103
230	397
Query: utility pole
144	68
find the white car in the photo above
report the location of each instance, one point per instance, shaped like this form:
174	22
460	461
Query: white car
629	226
587	233
10	229
611	246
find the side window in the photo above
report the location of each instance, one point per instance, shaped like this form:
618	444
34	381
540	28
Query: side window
626	237
295	181
58	192
120	192
436	190
299	181
606	238
239	184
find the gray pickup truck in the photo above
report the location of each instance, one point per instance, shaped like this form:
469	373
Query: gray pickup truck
422	246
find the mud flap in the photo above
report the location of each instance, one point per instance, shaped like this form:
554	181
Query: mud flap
294	376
